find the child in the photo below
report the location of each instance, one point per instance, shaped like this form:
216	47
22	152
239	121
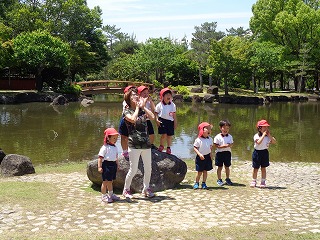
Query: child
223	143
203	148
166	119
143	92
123	128
260	155
108	164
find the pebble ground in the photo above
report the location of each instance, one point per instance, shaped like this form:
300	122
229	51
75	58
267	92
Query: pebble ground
292	199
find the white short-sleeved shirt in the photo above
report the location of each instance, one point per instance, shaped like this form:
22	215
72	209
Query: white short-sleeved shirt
108	152
263	145
166	111
124	105
204	145
219	139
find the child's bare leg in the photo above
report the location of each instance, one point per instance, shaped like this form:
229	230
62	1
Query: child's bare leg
227	169
104	187
205	175
263	173
109	186
219	170
169	141
255	173
198	176
163	139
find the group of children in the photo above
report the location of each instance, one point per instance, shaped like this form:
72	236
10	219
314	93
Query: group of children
165	112
223	142
166	120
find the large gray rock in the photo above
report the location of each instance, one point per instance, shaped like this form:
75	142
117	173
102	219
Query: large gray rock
16	165
213	90
2	155
167	172
60	100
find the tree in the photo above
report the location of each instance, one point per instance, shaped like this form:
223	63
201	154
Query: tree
289	23
240	32
267	58
200	44
39	50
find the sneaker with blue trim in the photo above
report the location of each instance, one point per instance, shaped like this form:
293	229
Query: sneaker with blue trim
228	181
196	185
219	182
204	185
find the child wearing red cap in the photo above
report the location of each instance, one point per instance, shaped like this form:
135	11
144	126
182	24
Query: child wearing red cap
108	164
166	119
223	143
260	155
143	92
203	148
123	131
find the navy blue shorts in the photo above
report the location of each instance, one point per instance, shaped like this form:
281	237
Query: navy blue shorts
204	165
150	127
109	170
166	127
123	129
223	158
260	158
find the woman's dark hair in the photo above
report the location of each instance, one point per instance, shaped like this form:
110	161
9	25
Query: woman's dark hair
128	94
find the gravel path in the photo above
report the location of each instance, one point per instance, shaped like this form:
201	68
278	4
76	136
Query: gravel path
292	199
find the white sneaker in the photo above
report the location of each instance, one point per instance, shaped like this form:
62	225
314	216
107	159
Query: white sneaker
106	198
127	194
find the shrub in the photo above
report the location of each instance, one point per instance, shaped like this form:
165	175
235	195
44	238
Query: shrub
183	90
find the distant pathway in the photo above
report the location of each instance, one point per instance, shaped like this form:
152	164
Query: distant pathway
292	199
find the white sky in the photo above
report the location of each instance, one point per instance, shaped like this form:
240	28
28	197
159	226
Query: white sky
174	18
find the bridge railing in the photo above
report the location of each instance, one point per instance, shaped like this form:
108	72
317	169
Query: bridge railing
110	85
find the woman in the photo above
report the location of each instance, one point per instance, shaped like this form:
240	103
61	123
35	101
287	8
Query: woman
136	115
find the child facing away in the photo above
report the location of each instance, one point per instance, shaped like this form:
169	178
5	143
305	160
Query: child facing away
203	148
143	92
123	130
108	165
223	143
260	156
166	119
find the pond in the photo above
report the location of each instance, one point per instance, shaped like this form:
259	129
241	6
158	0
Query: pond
50	134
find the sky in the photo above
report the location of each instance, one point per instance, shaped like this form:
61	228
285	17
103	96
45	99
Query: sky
172	18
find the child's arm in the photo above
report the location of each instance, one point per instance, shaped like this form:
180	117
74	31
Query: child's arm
132	117
198	153
175	122
261	138
100	170
272	139
158	122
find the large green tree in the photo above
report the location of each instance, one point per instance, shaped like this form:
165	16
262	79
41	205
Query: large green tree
289	23
37	51
200	44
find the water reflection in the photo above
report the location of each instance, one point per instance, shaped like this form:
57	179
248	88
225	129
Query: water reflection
73	132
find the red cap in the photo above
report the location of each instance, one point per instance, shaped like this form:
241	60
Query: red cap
109	132
128	88
141	89
263	123
201	126
163	91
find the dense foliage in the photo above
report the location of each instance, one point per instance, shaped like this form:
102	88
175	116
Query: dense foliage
62	41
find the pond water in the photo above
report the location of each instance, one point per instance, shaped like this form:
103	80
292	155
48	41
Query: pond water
50	134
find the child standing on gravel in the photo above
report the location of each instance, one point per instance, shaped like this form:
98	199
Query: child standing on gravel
108	164
223	143
203	148
166	119
143	92
260	155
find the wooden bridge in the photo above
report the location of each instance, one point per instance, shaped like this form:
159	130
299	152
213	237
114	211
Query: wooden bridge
108	86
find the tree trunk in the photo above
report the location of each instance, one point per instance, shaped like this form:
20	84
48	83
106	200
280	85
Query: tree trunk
282	81
226	86
210	80
200	77
254	83
271	81
39	80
